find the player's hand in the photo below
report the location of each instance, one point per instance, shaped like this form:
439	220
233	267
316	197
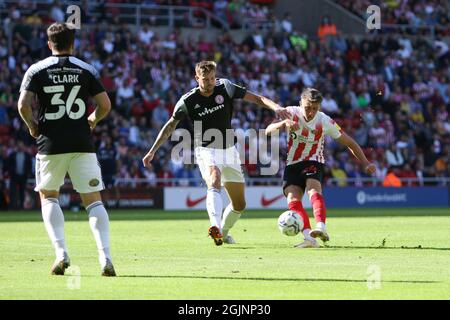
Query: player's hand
148	158
370	168
92	123
282	113
34	132
291	125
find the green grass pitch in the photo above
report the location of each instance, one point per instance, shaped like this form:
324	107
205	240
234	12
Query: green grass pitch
373	254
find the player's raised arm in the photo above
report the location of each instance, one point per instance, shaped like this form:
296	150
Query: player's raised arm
267	103
26	112
286	123
163	135
353	146
102	110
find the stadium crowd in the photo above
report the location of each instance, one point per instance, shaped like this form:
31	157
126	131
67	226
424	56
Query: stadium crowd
411	13
391	93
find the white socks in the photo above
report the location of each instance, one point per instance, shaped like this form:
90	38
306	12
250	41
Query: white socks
214	207
307	236
320	226
99	222
54	224
230	217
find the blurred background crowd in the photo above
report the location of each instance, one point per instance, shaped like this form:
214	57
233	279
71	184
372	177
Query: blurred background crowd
390	92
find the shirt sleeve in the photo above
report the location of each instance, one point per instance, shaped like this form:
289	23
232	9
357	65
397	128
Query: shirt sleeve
291	111
331	128
234	91
30	82
180	110
96	85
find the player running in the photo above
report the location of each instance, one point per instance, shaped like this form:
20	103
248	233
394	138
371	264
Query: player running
211	105
307	127
62	85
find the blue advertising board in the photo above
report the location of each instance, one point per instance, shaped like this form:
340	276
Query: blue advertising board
378	197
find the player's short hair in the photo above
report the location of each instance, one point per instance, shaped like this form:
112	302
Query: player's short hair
61	35
311	94
205	67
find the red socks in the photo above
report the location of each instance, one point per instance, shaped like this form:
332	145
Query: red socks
298	207
318	204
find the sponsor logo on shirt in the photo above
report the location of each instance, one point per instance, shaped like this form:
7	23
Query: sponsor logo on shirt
210	111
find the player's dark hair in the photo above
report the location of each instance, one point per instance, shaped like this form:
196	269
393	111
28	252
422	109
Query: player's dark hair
312	95
61	36
205	67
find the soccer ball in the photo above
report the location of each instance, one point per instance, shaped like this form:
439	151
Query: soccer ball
290	223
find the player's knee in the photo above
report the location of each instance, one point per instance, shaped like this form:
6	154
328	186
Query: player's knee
89	198
216	179
45	194
292	197
294	193
313	191
239	205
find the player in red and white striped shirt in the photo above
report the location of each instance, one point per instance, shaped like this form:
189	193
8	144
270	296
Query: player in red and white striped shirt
305	161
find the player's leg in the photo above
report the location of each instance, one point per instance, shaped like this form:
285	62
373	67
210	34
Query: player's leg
294	196
214	205
50	173
99	223
86	177
314	188
232	213
53	218
234	183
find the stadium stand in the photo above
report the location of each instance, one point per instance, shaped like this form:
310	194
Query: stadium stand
390	92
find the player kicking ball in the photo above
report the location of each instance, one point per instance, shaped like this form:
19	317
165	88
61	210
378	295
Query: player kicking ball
307	127
211	105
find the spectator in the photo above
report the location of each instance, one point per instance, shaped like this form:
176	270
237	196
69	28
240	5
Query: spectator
107	156
392	179
286	23
19	168
330	106
160	116
326	29
394	156
56	13
339	175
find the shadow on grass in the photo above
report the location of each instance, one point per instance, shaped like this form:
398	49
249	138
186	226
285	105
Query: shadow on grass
381	248
324	248
273	279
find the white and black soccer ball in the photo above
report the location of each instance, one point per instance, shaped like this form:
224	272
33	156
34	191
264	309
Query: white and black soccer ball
290	223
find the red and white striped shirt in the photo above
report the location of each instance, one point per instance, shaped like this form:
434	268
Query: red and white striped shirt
307	143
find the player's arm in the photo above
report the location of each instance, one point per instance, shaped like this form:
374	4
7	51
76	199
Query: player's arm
286	123
25	106
354	148
163	135
266	103
102	109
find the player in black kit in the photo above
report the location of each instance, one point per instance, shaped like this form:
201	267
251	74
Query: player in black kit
211	105
62	85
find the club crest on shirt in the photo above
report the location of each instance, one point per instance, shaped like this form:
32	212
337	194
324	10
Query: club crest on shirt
219	99
94	182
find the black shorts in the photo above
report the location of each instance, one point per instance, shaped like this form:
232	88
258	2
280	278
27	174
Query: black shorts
296	174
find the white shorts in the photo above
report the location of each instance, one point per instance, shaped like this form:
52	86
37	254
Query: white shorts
227	160
83	169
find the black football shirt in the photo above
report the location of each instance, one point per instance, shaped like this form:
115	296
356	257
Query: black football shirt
63	85
213	112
